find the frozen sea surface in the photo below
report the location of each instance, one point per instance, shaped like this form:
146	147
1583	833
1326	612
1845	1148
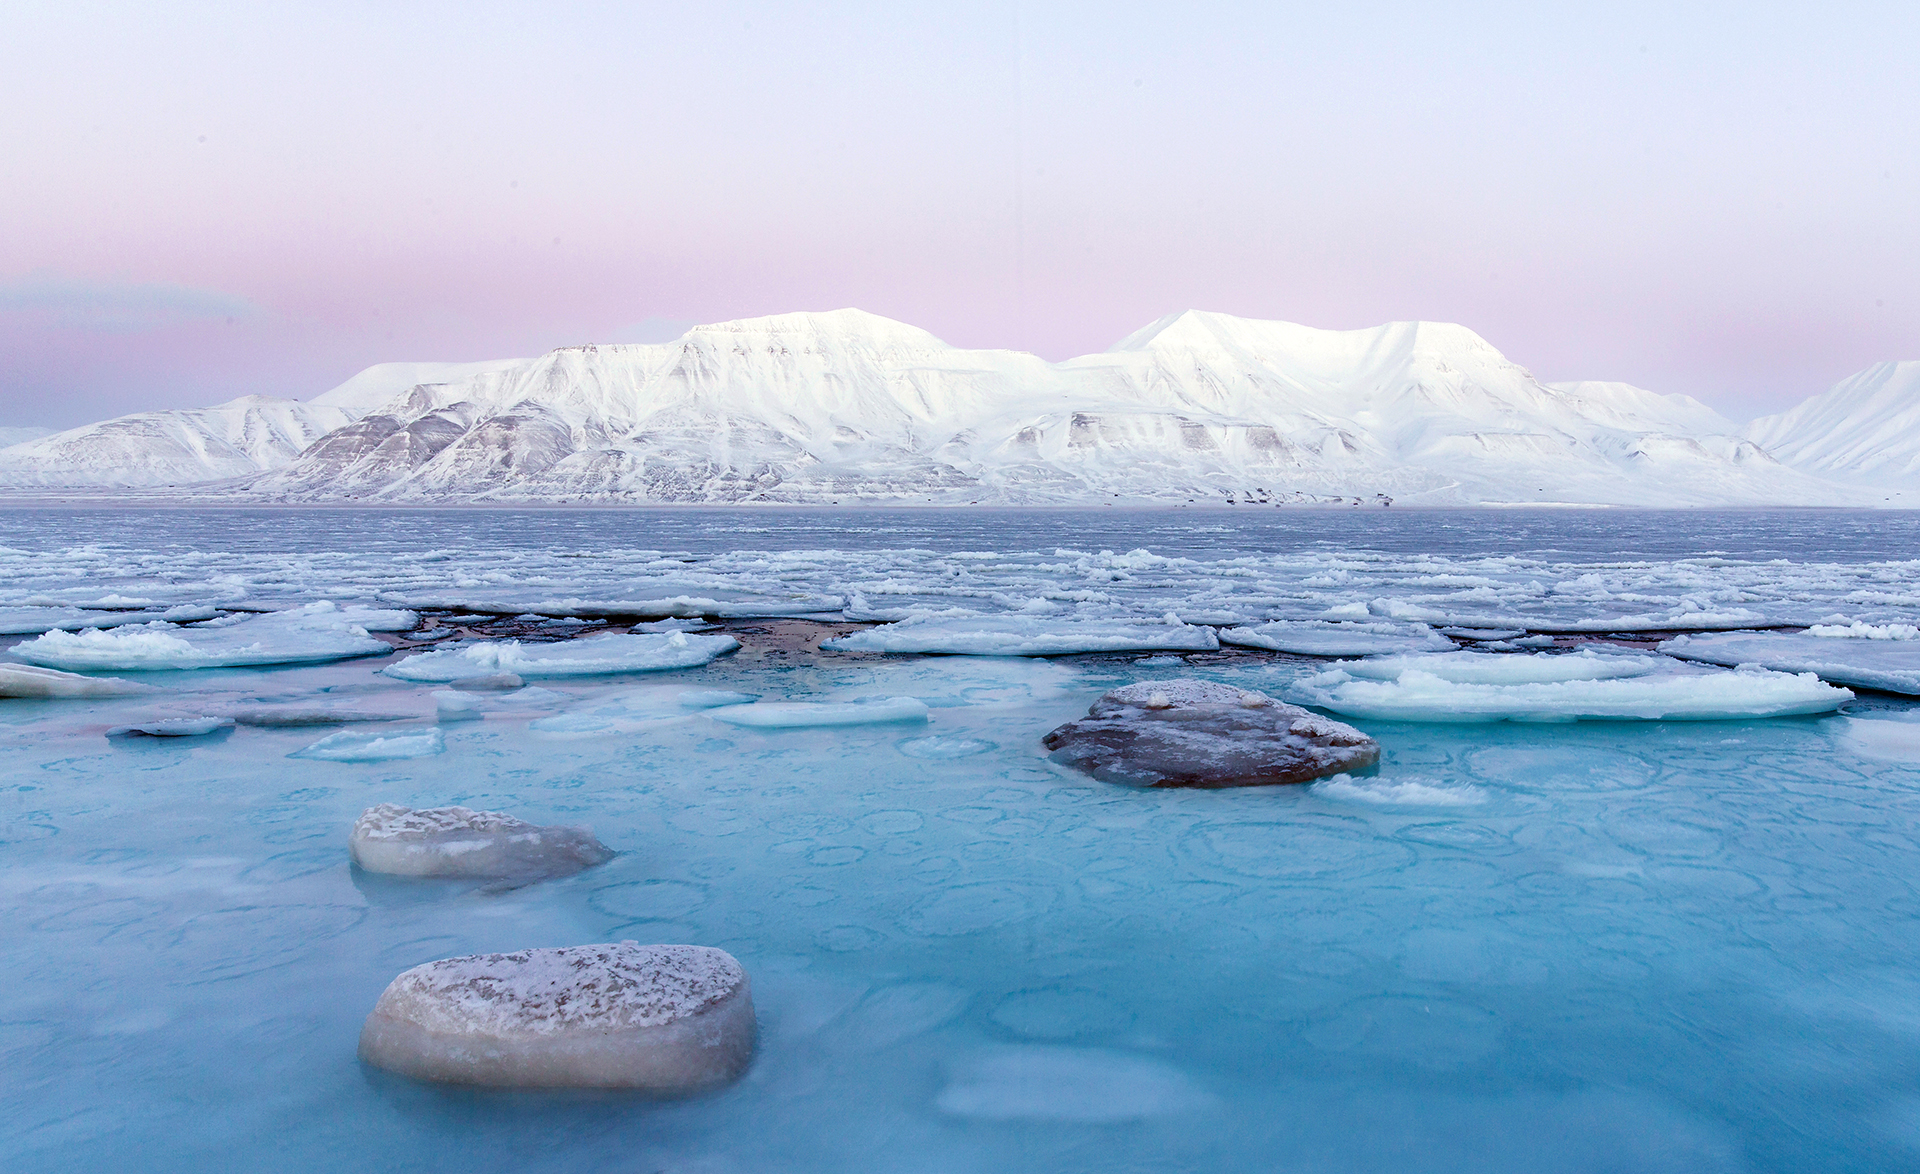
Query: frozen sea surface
1622	946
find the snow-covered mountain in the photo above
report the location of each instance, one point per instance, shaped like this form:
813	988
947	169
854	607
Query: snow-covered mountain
1865	431
179	447
12	436
848	406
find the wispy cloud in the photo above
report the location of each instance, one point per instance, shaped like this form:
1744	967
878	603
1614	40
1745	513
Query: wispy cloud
114	307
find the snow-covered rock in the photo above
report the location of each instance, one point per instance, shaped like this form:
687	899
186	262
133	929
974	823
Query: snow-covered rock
462	842
1834	654
1866	431
1530	695
588	656
1188	733
1336	638
663	1019
26	680
302	635
1022	635
785	715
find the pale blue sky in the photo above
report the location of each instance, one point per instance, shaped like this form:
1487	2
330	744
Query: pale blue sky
203	200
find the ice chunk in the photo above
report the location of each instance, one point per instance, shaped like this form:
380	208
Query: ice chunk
1839	654
316	632
796	714
1894	741
1399	792
1035	1082
488	681
1025	635
451	706
1418	695
1488	668
174	727
285	716
1188	733
711	698
25	680
1323	638
589	656
462	842
666	1019
944	746
352	746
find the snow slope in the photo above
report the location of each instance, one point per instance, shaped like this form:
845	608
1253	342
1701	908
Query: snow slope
13	436
847	406
178	447
1866	431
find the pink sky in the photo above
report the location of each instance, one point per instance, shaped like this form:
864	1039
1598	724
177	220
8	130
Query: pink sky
207	200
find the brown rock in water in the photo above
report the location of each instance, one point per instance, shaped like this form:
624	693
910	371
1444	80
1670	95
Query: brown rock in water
1188	733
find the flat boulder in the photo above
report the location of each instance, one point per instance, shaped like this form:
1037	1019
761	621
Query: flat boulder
463	843
668	1020
1188	733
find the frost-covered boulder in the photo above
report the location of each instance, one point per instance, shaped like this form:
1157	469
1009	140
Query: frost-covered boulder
664	1019
26	680
462	842
1189	733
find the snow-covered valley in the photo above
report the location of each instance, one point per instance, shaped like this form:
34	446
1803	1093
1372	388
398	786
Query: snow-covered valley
847	408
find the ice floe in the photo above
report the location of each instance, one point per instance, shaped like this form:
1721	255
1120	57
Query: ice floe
17	621
1025	635
1873	657
784	715
174	727
1488	668
462	842
1187	733
1411	792
316	632
588	656
664	1019
294	716
713	698
354	746
1337	638
27	680
1416	694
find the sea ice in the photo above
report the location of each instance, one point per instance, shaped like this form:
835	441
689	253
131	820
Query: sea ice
589	656
462	842
352	746
1188	733
1024	635
316	632
1847	655
1398	792
25	680
1418	695
293	716
1331	638
783	715
713	698
1487	668
17	621
452	706
664	1019
939	746
1036	1082
174	727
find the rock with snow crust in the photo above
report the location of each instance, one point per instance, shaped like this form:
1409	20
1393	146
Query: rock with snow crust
462	842
662	1019
1189	733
